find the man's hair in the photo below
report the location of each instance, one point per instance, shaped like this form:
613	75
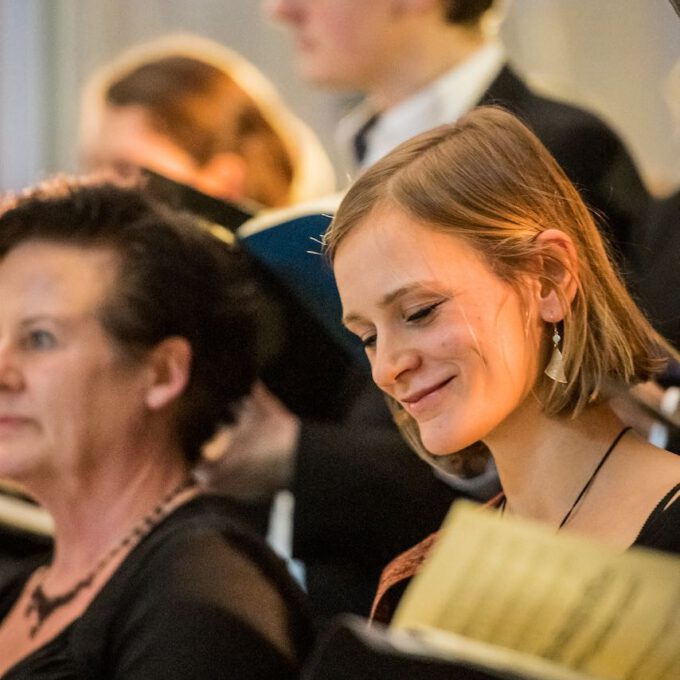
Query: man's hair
465	11
488	180
174	279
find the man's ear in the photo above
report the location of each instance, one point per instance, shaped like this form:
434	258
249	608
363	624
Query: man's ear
559	276
169	370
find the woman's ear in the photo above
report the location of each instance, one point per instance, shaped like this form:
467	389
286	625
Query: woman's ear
170	367
559	282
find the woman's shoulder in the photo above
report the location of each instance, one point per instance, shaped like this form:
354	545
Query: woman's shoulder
204	551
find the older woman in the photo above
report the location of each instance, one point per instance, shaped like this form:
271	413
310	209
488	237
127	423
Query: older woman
126	338
473	274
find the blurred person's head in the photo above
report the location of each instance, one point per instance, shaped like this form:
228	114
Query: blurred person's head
159	295
200	114
370	46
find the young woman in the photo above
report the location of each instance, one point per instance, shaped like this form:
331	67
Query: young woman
489	310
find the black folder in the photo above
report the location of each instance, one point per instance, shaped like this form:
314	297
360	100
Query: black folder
351	650
310	361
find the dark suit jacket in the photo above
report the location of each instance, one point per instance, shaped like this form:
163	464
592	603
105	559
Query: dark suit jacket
590	153
659	268
362	496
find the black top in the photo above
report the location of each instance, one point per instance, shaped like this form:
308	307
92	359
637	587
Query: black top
200	597
661	531
590	153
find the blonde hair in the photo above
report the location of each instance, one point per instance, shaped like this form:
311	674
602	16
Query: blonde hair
207	99
489	180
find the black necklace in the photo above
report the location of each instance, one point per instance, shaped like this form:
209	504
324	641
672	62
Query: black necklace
588	483
44	605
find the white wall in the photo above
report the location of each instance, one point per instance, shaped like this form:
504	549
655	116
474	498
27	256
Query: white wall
611	55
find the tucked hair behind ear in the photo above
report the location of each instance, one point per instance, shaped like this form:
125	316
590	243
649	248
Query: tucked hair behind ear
489	180
175	279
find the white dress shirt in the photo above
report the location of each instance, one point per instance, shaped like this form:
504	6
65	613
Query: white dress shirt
443	101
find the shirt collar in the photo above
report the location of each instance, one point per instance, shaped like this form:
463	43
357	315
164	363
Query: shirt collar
442	101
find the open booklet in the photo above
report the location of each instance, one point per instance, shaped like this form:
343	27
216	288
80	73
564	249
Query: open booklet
310	362
514	595
500	597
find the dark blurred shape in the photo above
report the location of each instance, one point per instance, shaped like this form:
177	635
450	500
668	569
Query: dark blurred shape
352	651
184	197
309	360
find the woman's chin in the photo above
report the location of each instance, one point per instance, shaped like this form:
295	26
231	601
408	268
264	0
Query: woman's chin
438	444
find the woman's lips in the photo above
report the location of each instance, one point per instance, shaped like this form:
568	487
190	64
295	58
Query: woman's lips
423	399
12	421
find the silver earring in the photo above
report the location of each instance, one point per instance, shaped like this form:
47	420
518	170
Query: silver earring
555	368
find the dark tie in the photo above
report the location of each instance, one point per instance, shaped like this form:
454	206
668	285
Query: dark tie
359	141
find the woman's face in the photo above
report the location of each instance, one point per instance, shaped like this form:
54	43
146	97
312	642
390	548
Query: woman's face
67	396
122	139
444	335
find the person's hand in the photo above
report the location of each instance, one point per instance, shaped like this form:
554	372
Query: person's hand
254	458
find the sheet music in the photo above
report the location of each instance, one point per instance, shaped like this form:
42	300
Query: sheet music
560	597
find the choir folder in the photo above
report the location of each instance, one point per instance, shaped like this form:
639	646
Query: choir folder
501	597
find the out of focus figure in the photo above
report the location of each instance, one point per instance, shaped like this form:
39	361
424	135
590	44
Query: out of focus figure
200	114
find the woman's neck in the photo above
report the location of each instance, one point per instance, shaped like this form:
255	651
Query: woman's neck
544	462
104	506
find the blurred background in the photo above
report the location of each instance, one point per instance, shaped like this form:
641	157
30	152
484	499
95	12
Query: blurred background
611	56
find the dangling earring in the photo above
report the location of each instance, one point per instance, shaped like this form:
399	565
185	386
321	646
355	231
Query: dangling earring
555	368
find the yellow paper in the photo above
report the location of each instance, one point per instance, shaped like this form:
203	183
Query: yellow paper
517	585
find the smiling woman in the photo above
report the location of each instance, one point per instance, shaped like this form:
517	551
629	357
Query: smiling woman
126	339
440	296
489	310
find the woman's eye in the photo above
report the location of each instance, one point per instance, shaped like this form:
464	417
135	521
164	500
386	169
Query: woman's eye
368	341
40	339
423	312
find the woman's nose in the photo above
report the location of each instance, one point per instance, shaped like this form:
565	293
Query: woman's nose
10	375
390	363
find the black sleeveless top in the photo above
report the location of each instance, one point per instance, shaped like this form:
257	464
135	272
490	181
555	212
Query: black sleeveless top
661	531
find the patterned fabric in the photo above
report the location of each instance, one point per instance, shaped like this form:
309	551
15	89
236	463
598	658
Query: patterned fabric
398	573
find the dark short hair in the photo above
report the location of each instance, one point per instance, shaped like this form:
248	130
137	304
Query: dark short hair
465	11
175	279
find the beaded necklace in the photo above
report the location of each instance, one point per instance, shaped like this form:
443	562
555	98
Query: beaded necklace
43	605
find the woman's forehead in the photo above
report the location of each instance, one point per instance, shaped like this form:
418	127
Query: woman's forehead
393	235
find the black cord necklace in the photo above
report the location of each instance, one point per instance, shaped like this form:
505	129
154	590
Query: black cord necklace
588	483
43	605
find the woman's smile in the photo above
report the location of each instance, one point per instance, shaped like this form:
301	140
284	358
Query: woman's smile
424	401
